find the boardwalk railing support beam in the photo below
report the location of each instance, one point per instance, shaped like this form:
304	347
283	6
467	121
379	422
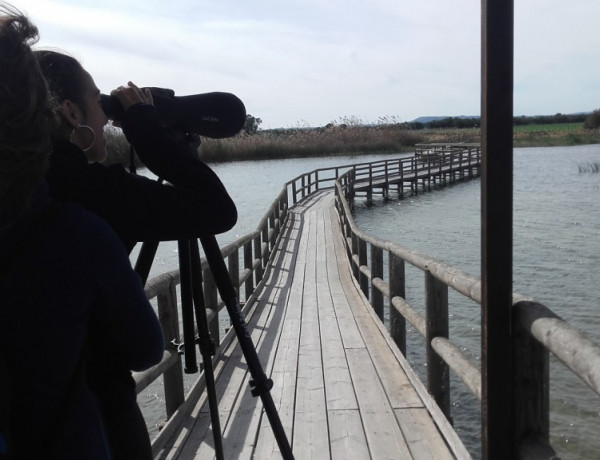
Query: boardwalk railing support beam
496	228
532	384
377	273
397	289
438	372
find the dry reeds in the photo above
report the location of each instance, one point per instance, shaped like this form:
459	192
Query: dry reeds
590	167
332	140
349	136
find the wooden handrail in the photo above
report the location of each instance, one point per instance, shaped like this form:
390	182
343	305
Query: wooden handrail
538	329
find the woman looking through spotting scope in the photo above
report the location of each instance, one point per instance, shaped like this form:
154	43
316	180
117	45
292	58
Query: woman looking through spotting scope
192	203
64	273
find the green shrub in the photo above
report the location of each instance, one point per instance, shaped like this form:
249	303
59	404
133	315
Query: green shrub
593	120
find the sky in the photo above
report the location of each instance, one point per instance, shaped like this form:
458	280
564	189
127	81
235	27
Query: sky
300	63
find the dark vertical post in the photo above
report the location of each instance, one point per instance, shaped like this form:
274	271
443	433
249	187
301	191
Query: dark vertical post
377	272
258	255
355	264
496	227
362	262
248	265
294	192
397	289
233	266
169	320
532	384
210	296
438	372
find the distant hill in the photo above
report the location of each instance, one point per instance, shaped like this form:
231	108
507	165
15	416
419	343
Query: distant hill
430	119
466	117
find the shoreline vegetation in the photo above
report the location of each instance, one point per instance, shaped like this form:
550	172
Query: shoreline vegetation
356	139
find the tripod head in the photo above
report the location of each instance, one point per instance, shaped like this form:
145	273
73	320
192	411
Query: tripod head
215	115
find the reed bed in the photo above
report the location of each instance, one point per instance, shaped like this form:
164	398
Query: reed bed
349	139
329	141
590	167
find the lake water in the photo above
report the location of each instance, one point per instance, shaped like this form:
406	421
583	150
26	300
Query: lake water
556	261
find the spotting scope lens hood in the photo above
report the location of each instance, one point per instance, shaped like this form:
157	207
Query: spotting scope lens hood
216	115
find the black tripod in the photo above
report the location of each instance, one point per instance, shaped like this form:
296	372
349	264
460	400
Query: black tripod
193	307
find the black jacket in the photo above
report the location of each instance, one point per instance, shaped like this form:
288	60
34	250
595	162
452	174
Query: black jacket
68	274
138	208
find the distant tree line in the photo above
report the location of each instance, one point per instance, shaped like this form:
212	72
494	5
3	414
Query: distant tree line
474	122
589	120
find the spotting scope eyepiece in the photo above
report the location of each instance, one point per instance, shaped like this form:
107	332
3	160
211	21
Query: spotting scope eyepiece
216	115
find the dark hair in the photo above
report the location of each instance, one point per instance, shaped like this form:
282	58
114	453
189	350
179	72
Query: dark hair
65	76
26	118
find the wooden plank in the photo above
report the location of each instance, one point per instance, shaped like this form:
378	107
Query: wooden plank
421	434
383	434
397	385
235	379
338	384
347	435
241	434
310	421
449	434
347	325
286	360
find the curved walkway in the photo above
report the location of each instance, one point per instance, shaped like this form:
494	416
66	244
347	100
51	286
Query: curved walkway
342	388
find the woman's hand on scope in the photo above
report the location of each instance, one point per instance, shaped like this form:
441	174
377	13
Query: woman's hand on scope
130	95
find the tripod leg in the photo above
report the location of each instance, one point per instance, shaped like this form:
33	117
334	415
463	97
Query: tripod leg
143	264
187	308
207	346
262	385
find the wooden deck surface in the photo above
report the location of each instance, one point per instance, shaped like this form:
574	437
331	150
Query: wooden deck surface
340	387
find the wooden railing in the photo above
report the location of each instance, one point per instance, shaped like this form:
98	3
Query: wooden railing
537	330
246	259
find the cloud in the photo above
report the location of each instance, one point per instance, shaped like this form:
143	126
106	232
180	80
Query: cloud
318	61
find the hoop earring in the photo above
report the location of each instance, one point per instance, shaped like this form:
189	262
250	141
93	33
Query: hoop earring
84	136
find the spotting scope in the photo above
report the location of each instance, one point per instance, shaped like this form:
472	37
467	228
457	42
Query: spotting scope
215	115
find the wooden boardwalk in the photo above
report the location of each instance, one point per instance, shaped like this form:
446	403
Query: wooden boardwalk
341	387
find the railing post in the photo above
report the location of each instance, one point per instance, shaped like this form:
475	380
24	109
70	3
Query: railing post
169	320
370	189
386	186
303	186
351	192
283	206
438	375
248	265
531	387
377	272
272	232
355	266
258	256
397	289
362	261
212	303
233	265
265	242
294	192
